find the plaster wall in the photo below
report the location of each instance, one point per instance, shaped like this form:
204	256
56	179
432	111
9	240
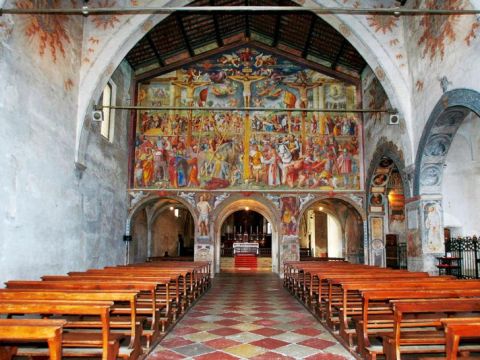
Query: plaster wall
165	232
53	218
442	55
462	171
139	245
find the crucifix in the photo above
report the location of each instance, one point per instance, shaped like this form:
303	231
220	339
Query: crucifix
302	87
190	86
247	80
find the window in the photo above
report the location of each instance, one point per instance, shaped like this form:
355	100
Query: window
108	115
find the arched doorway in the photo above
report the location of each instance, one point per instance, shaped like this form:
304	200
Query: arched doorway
160	226
332	227
386	207
172	231
452	125
255	204
246	226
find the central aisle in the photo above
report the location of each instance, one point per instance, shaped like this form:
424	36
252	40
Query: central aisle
248	316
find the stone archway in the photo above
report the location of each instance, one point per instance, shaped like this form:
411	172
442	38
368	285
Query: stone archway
385	209
426	211
255	203
152	204
353	206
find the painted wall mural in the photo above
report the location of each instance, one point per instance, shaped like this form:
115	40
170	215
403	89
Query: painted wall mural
282	148
433	227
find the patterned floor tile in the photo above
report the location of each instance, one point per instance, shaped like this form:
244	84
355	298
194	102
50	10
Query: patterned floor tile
175	342
227	322
201	336
319	344
248	316
272	356
269	343
165	355
221	343
217	355
245	350
225	331
194	350
309	331
267	331
297	351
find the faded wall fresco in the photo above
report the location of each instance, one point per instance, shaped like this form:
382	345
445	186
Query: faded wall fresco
255	150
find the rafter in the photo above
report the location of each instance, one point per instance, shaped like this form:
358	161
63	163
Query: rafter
247	22
184	35
276	34
217	27
309	37
161	62
339	54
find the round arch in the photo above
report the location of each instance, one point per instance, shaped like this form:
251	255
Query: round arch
391	151
442	125
156	204
355	205
94	75
255	203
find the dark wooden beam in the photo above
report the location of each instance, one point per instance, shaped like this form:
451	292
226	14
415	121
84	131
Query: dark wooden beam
276	33
306	47
339	54
184	35
155	50
217	27
247	22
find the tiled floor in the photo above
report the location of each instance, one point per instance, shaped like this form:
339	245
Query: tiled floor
248	316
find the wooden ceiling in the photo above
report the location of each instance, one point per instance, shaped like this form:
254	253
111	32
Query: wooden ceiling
184	36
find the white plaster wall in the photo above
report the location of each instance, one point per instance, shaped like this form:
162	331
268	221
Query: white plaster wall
459	63
334	237
51	221
461	181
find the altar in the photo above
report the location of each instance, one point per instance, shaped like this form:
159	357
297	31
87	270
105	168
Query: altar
245	248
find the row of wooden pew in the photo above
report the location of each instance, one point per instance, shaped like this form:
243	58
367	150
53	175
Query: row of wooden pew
110	313
390	313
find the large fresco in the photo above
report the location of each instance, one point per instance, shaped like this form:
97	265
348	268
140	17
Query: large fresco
270	145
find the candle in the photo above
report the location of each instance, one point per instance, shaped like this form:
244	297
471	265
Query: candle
240	229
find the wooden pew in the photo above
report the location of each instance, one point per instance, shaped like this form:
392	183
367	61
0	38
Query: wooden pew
14	330
350	303
428	315
376	319
103	344
128	326
455	330
148	309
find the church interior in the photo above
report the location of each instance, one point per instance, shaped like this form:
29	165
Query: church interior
222	165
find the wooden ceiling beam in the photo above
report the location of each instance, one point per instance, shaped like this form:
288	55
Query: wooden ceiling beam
216	26
248	32
161	62
276	31
184	35
339	54
306	46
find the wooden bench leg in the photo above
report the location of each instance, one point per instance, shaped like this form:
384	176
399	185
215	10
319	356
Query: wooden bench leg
55	347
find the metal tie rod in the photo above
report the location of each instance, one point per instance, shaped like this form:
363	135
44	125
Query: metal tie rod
86	10
252	109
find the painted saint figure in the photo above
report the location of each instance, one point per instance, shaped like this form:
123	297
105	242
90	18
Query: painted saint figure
204	209
433	223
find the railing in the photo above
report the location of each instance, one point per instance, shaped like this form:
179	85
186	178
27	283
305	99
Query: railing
467	249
